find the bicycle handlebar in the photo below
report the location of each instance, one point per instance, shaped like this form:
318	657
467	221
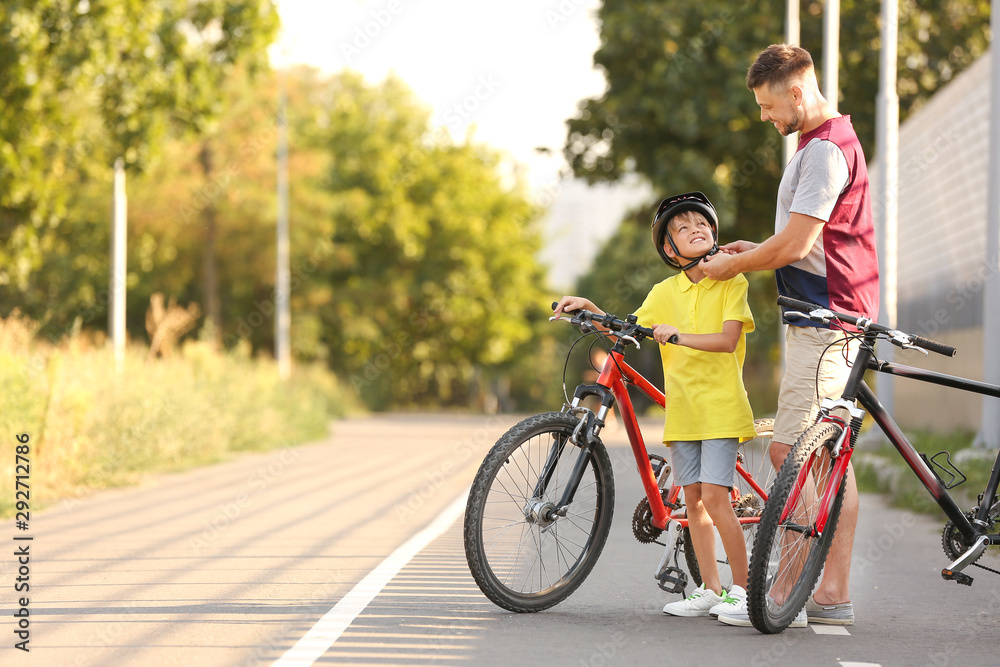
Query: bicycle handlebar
899	338
613	323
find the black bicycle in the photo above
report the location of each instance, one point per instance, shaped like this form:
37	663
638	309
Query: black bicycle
801	512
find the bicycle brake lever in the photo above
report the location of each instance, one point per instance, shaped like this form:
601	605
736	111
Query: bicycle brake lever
819	315
902	340
632	340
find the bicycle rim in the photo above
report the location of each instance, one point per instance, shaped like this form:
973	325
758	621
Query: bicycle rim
523	557
786	561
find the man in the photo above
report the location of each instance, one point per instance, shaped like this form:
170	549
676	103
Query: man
823	251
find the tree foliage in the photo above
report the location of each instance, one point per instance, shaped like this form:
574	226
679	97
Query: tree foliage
433	267
82	83
677	110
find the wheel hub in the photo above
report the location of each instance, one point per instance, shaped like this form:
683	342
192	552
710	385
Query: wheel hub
540	513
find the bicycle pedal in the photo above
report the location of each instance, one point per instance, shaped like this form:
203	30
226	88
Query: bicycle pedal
957	577
673	580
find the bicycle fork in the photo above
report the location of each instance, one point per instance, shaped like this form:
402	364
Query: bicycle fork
544	513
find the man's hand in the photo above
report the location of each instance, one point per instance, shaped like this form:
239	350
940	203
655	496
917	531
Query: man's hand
720	266
737	247
663	332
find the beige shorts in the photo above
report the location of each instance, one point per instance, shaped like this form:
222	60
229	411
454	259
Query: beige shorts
806	348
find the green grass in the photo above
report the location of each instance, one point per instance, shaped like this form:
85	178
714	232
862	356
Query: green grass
884	471
91	427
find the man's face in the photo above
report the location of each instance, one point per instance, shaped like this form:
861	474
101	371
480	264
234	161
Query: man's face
778	106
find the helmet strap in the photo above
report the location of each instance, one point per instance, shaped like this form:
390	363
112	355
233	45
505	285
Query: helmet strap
692	261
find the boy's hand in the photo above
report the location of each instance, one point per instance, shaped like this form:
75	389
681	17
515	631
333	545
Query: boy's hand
571	303
663	332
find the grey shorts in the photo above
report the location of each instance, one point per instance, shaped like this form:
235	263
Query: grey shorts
709	461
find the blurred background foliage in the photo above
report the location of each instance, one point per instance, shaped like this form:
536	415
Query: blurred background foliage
413	260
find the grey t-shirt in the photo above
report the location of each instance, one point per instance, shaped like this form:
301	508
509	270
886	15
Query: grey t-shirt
813	181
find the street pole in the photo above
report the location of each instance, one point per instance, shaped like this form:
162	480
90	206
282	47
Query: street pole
283	317
831	52
886	205
116	316
791	142
989	431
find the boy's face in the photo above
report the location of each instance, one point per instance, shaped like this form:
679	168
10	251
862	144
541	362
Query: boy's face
691	233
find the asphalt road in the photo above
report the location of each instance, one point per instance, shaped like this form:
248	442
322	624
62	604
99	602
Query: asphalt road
235	563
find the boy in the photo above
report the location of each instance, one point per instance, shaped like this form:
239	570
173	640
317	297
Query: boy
708	412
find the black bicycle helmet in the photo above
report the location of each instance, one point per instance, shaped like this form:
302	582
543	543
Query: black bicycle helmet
671	206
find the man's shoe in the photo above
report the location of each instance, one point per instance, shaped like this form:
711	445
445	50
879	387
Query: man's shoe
831	614
696	604
739	616
730	600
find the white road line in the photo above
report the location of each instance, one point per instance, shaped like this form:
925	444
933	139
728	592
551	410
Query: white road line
328	629
829	629
860	664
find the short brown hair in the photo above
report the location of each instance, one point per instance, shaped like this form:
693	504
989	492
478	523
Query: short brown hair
777	64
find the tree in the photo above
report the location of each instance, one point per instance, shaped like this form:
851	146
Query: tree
677	110
82	83
432	272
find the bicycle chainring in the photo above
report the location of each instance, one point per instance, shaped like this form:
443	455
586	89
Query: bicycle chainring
642	523
952	541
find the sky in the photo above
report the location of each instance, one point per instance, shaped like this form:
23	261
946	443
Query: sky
514	70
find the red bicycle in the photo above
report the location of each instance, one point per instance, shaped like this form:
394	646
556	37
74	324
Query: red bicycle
540	507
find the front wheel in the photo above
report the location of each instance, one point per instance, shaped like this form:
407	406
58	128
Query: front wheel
527	551
787	557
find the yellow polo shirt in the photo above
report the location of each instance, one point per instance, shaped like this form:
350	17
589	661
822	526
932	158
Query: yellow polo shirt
704	390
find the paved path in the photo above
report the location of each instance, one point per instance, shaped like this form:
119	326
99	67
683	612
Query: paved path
233	564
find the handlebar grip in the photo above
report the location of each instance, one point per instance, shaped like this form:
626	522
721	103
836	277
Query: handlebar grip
673	339
934	346
556	303
804	306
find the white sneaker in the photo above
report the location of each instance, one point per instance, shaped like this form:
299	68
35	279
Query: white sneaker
731	600
696	604
739	616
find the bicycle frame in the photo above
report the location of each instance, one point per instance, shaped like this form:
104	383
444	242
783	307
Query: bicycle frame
857	389
610	387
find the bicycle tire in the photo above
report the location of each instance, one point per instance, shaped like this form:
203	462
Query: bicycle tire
758	463
787	555
560	553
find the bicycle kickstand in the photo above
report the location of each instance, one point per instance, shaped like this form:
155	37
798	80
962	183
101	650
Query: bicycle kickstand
954	571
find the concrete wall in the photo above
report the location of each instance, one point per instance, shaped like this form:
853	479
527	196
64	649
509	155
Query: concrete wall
943	166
